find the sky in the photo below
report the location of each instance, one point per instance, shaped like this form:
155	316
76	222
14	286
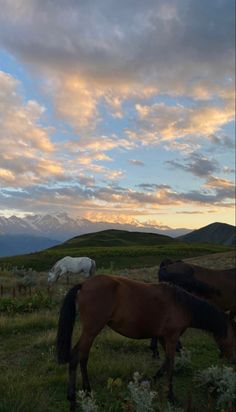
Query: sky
118	111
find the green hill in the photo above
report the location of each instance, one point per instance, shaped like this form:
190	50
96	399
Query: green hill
115	249
113	237
219	233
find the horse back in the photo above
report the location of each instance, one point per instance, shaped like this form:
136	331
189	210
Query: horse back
133	309
224	281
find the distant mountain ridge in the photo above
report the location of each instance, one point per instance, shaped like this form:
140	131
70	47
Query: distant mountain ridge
219	233
12	245
62	227
37	232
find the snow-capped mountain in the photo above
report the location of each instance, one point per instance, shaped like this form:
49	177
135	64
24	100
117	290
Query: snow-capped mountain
61	226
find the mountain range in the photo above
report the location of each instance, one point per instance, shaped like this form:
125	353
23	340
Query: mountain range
61	226
37	232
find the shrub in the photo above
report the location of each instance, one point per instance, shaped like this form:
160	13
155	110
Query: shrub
183	361
27	304
87	403
221	383
140	394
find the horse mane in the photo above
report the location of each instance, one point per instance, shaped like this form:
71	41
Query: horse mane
196	286
186	280
204	315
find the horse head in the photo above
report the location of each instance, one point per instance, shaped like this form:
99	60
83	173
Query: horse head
174	271
52	276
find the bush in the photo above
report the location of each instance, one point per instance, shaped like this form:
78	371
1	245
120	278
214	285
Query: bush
27	304
221	384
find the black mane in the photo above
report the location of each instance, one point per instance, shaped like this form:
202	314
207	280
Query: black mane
204	315
186	280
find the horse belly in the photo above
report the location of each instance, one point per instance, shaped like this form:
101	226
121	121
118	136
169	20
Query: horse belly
135	328
129	332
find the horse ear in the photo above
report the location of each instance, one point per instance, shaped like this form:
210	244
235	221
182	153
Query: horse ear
166	262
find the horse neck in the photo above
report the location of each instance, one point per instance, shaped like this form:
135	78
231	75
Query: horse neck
202	314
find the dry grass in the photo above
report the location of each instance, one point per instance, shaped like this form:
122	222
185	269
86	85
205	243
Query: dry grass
224	260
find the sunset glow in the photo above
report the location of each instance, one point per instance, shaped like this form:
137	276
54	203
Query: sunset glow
118	111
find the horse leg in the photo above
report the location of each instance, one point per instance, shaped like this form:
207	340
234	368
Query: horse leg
179	346
72	377
62	272
170	356
160	372
154	348
80	354
170	349
168	365
92	269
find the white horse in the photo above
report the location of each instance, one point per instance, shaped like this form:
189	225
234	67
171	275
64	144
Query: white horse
69	264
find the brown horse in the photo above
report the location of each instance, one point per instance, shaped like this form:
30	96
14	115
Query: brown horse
217	286
136	310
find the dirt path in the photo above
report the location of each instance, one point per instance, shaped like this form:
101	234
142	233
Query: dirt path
225	260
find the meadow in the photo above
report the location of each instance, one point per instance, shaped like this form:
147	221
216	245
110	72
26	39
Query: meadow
114	257
32	381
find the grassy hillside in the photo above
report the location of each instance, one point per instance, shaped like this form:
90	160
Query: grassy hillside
33	381
115	249
113	237
219	233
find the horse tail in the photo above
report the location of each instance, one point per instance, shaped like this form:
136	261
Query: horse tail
66	325
205	316
93	268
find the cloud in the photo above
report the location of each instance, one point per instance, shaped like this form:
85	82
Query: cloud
135	162
27	153
196	164
89	54
117	76
96	38
87	198
164	122
219	183
223	142
25	144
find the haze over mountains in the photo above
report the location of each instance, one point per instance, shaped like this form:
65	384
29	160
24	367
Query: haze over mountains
61	226
37	232
11	245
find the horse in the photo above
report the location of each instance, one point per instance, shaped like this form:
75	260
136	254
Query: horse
217	286
136	310
70	264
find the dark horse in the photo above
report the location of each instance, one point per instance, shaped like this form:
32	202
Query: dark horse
136	310
217	286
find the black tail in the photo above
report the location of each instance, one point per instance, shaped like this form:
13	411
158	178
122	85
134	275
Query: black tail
66	325
204	315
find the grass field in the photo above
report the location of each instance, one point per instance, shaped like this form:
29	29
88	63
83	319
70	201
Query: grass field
32	381
118	257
